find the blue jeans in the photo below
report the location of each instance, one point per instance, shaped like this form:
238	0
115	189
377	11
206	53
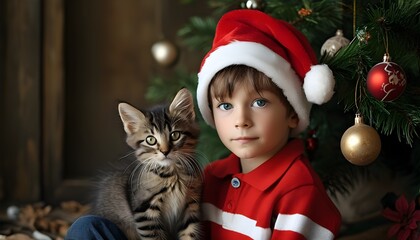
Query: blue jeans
92	227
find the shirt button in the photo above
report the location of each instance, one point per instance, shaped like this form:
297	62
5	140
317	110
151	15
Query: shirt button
235	182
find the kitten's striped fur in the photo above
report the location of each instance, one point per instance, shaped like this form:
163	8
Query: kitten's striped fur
157	195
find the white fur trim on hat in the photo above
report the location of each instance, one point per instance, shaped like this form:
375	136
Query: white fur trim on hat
263	59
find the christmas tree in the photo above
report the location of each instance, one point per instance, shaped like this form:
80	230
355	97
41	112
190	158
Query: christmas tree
375	60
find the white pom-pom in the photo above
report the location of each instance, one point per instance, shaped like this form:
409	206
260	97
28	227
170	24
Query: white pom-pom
319	84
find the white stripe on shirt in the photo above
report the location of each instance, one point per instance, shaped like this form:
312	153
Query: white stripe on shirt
303	225
235	222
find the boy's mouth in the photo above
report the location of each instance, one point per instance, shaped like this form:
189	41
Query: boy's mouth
244	139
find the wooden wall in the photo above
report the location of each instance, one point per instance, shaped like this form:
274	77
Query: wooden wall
20	119
64	65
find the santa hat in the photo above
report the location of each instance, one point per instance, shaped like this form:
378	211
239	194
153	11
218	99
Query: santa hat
274	47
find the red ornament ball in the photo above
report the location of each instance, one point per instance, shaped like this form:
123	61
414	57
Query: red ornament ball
311	141
386	81
311	144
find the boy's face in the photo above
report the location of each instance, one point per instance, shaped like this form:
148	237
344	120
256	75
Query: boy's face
251	125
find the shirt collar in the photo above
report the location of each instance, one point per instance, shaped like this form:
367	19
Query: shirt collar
259	178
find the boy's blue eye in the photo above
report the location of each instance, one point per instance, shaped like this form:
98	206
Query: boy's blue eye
259	103
225	106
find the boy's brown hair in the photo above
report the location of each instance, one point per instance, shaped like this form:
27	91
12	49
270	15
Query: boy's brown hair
224	82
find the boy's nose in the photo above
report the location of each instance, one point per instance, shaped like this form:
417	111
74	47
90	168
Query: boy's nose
242	119
241	125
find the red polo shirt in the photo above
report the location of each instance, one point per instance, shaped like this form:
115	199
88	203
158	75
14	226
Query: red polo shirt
281	199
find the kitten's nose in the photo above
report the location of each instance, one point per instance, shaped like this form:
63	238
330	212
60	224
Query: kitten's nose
165	151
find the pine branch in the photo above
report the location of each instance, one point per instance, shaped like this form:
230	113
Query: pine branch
401	116
222	6
198	33
164	89
312	18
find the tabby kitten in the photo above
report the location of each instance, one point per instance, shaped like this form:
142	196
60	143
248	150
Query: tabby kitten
157	195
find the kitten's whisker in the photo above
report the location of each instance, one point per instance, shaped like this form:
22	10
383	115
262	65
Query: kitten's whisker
193	168
134	182
127	155
202	158
127	168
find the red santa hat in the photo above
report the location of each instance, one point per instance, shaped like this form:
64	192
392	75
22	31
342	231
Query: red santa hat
274	47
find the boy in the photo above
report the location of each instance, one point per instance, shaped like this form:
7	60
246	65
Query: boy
250	90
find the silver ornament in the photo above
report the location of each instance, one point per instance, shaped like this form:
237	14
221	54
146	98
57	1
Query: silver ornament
253	4
333	44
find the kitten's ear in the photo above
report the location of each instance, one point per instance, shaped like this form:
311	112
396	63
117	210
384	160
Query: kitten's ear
183	105
131	117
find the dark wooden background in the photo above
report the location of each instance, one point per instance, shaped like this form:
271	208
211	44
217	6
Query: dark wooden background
64	65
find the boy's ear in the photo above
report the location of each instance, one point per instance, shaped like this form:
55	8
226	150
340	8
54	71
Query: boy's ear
293	120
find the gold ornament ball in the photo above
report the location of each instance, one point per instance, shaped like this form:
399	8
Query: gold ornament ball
360	144
165	53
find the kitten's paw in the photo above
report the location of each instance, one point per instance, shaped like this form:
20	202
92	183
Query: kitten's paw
150	232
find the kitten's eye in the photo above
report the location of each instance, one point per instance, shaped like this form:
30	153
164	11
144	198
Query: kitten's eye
175	135
259	103
151	140
225	106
